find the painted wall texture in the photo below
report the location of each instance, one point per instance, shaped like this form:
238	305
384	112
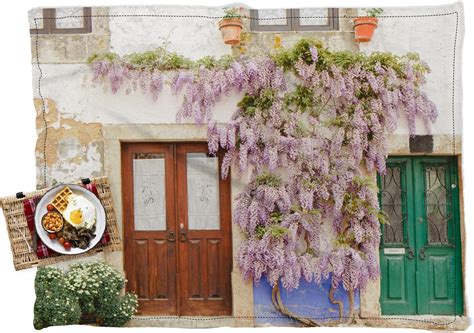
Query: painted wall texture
310	300
86	123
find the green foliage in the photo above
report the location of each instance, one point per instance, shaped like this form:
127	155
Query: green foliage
250	104
361	181
160	59
313	212
117	313
288	57
108	56
268	179
275	230
231	13
373	12
86	289
210	62
383	217
54	305
302	98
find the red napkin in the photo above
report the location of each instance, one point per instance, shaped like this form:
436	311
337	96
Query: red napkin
42	251
29	206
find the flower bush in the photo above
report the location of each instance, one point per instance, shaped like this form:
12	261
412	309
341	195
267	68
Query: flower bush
309	122
86	290
97	287
54	304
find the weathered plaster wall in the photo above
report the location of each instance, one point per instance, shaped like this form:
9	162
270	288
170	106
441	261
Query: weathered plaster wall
433	36
73	149
194	36
86	123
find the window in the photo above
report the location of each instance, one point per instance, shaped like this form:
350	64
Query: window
71	20
303	19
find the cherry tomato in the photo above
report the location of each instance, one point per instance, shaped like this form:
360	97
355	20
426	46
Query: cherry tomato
61	240
52	236
50	208
67	245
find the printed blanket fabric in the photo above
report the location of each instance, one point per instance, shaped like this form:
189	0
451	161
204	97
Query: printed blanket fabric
269	167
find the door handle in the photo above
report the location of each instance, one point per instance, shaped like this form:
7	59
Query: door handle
410	253
183	237
422	254
171	236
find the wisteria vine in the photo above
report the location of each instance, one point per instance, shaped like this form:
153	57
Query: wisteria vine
309	121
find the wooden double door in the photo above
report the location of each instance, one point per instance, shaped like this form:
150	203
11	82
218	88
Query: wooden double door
176	229
420	254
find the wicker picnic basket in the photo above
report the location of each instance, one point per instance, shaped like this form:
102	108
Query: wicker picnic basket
24	256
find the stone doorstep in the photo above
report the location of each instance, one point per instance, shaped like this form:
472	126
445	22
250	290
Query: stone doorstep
183	322
428	322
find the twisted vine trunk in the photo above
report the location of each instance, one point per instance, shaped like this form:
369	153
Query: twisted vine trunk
276	300
340	304
278	304
350	316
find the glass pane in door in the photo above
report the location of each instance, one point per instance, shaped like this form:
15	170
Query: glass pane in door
393	204
203	191
437	204
149	191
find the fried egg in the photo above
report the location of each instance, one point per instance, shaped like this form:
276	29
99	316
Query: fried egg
80	212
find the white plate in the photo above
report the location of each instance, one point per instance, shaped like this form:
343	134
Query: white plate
41	209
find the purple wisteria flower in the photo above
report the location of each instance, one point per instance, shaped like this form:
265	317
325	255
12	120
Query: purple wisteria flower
314	53
303	154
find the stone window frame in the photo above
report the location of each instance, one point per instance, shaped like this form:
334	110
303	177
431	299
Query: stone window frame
49	23
293	22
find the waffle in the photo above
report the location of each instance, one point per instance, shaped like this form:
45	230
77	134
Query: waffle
61	199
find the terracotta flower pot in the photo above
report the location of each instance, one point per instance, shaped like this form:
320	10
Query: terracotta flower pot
364	28
231	29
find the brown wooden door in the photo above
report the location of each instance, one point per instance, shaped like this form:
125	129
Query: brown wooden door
149	225
177	229
205	259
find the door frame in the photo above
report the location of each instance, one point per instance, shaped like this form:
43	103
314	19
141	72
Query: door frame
173	170
114	135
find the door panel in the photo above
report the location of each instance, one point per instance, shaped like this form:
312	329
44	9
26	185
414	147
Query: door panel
214	268
140	281
397	262
204	223
149	225
159	263
429	273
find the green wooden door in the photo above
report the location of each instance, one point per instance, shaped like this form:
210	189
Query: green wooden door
420	257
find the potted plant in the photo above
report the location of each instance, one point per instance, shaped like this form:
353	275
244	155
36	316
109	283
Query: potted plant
365	26
231	26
